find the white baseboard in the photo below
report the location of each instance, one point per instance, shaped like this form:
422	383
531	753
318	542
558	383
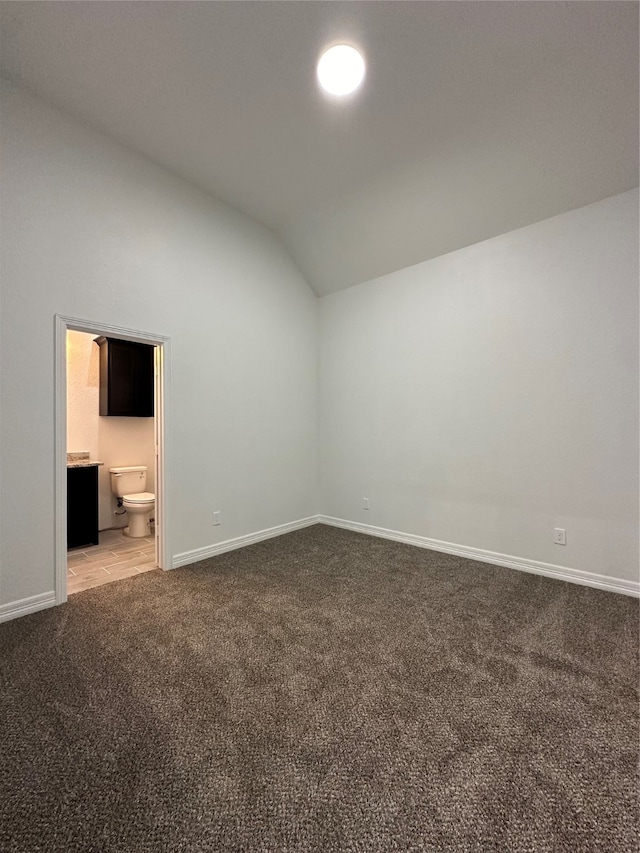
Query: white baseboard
48	599
27	605
521	564
241	541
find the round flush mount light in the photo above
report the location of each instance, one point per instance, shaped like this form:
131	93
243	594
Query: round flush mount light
340	70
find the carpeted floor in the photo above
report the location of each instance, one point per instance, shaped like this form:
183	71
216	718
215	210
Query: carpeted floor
324	691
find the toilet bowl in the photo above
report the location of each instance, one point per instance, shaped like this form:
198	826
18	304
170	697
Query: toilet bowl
139	508
128	484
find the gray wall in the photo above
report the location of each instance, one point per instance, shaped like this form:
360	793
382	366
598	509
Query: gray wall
481	398
487	396
91	230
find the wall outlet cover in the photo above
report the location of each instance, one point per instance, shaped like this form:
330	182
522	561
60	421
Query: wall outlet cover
559	536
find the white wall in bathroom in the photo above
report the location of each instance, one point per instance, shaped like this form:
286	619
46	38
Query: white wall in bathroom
83	393
94	231
114	441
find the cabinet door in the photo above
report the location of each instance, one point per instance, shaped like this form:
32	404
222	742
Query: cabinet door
82	506
143	381
126	378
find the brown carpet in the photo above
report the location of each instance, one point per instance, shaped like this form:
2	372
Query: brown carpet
324	691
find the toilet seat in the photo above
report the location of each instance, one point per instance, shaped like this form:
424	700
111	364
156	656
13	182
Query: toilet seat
139	498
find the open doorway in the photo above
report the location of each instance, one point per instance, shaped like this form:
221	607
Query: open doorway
107	526
110	460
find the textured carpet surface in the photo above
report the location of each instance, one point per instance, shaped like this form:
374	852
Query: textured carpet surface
324	691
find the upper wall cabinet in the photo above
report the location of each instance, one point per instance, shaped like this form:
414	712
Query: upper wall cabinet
126	378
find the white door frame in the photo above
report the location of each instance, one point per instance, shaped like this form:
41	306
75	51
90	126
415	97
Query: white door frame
161	420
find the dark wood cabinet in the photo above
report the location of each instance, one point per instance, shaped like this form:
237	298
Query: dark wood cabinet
126	378
82	506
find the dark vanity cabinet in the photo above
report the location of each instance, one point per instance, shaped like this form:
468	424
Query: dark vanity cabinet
82	506
126	378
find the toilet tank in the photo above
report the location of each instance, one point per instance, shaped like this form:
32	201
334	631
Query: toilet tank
128	481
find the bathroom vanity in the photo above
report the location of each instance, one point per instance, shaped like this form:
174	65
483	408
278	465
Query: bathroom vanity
82	500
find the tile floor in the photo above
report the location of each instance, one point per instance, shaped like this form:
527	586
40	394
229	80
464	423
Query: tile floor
116	557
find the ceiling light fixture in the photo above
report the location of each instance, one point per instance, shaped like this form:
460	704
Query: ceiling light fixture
340	70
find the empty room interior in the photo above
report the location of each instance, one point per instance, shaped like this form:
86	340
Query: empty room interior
319	426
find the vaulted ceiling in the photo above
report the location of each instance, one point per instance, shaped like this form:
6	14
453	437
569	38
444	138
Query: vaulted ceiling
475	117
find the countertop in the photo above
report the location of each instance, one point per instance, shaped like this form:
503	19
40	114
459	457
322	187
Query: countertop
80	459
84	463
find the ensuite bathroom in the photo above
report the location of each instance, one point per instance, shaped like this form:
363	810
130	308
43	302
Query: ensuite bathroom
110	460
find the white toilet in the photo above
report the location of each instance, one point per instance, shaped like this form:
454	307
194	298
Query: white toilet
129	484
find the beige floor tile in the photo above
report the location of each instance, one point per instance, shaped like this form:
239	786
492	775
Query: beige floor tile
115	535
133	548
88	574
117	556
105	548
131	563
74	557
93	559
119	574
106	561
100	562
79	585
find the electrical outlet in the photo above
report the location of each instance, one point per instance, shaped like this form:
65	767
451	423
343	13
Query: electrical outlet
559	536
365	503
216	518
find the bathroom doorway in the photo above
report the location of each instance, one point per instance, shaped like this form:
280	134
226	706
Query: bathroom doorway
104	532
